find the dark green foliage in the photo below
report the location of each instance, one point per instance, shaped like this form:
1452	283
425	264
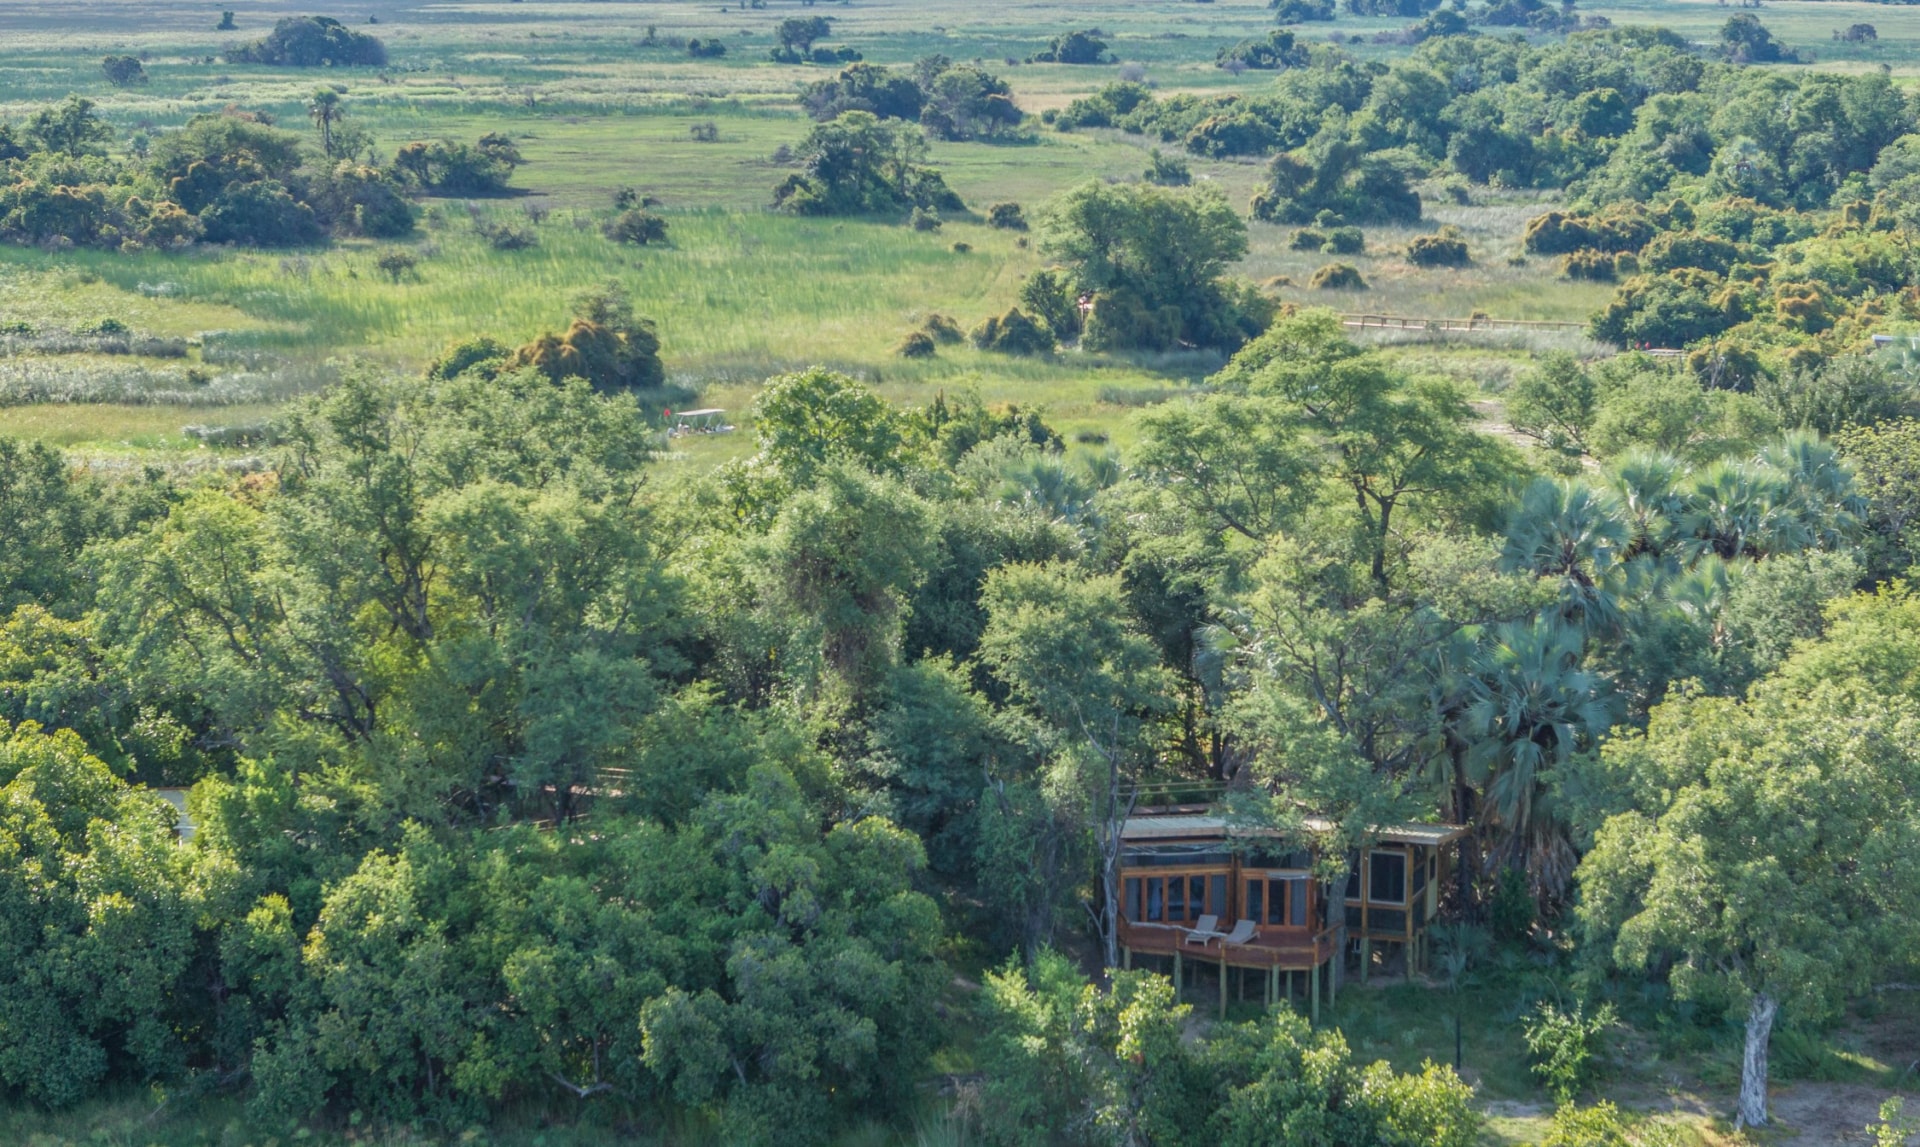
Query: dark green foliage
710	49
123	71
869	88
1301	11
1167	170
356	200
1050	296
964	102
1276	51
1590	266
445	167
485	353
1745	40
70	127
1151	261
859	164
1669	310
917	344
260	214
637	227
798	34
312	42
1338	176
1012	333
1007	217
1074	48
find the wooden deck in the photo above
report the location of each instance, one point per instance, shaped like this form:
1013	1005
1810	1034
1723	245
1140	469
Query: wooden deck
1289	950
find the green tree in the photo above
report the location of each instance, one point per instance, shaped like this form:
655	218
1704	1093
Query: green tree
1088	684
70	127
1152	260
1772	838
325	108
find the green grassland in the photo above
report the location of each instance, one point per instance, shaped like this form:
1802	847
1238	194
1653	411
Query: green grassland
739	293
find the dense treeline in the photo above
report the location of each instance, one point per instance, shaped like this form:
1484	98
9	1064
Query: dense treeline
879	684
232	177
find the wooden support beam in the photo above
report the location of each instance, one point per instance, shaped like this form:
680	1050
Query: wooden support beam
1223	981
1178	983
1126	958
1366	957
1314	1008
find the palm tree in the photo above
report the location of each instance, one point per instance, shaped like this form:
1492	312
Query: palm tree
1646	482
1533	707
1739	510
1822	493
1578	534
325	109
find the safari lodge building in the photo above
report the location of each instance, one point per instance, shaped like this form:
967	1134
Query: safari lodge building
1199	890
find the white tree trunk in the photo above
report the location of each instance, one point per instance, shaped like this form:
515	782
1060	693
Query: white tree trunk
1753	1069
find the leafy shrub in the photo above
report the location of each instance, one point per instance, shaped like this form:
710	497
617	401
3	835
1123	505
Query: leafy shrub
506	237
397	263
1301	11
312	42
1074	48
1589	265
941	329
706	131
445	167
606	345
260	214
1167	170
464	356
123	71
1012	333
1338	277
1446	249
1307	239
1560	1045
1007	217
1345	241
917	344
637	227
708	49
1276	50
924	220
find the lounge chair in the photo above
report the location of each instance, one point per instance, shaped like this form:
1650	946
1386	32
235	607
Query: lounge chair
1243	932
1204	929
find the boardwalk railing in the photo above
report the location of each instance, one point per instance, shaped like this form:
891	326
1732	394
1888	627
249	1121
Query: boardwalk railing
1475	323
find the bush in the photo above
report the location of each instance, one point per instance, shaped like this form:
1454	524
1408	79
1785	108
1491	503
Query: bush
961	247
942	330
123	71
1074	48
1013	333
1167	170
636	227
461	357
1345	241
924	220
1338	277
506	237
260	214
312	42
1589	266
710	49
1446	249
1007	217
1307	239
917	344
1301	11
396	264
1560	1045
705	131
444	167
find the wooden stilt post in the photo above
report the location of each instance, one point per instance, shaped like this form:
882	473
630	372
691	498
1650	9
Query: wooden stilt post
1314	978
1126	958
1366	957
1178	983
1223	981
1273	985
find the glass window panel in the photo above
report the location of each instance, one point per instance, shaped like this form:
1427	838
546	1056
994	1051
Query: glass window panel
1276	902
1297	904
1197	895
1387	878
1156	908
1217	896
1132	911
1176	898
1256	896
